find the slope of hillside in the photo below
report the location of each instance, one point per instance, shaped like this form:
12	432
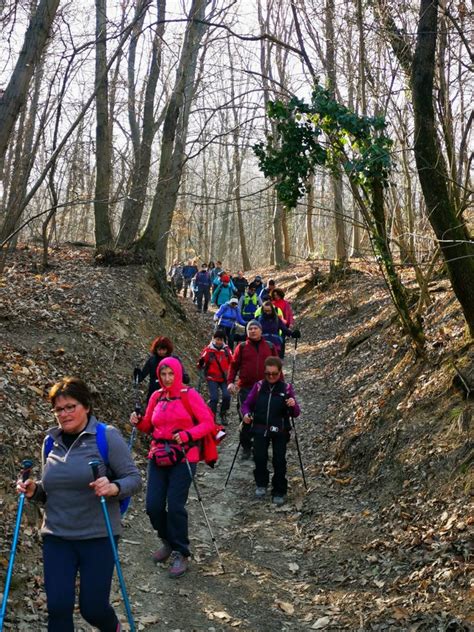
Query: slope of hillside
382	538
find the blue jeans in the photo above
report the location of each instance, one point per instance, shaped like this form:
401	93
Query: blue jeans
94	561
166	496
214	396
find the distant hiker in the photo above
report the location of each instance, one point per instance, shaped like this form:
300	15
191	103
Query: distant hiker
226	317
215	361
176	276
203	288
216	271
278	299
266	411
210	268
248	362
273	327
175	432
189	270
266	294
259	286
240	283
160	348
74	531
249	303
223	291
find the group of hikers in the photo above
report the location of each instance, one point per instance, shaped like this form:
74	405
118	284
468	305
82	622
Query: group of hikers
83	460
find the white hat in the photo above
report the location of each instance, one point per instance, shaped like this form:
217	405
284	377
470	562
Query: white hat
234	299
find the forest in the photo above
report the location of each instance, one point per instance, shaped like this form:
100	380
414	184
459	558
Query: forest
326	144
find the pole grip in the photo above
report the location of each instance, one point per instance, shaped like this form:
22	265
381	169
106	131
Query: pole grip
94	465
26	466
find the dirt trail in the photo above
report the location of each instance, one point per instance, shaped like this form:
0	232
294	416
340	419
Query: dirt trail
376	548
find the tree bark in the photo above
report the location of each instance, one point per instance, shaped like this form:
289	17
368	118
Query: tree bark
175	129
451	231
135	201
103	228
16	91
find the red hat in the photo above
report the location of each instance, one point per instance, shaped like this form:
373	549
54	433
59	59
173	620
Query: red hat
225	278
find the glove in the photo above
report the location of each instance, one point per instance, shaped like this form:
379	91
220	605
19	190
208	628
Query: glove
201	363
136	374
186	379
296	333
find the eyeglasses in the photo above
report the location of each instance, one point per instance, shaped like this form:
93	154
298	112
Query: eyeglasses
272	373
69	408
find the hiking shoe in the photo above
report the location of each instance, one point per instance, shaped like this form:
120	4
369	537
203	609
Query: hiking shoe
246	454
162	554
223	419
278	500
178	565
260	492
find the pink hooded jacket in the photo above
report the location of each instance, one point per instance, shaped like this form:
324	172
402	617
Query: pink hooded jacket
166	414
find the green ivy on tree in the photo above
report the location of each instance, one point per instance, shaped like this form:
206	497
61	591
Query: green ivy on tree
328	134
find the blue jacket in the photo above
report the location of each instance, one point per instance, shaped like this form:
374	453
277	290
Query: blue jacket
248	305
227	316
203	280
189	271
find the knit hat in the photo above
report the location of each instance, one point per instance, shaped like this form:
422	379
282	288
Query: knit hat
253	323
225	278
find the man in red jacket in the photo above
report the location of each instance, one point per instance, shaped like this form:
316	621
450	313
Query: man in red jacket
248	362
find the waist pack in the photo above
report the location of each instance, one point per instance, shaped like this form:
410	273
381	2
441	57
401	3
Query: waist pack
167	453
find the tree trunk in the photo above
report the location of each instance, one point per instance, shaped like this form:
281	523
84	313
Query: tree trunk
339	224
135	201
16	91
451	231
175	129
309	216
103	228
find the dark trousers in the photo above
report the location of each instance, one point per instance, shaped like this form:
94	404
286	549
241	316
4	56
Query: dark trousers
166	496
214	388
229	336
187	286
94	561
245	431
203	294
261	444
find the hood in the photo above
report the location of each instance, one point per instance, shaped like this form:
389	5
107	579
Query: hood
175	365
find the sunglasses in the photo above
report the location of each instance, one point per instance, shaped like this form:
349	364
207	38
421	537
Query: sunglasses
272	373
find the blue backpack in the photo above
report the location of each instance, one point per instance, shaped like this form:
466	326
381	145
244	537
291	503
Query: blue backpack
103	447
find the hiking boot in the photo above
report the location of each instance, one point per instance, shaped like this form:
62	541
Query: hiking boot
162	554
278	500
223	419
260	492
178	565
246	454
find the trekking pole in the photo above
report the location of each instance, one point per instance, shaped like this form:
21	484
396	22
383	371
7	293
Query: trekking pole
95	472
199	497
138	411
299	453
232	464
25	472
293	420
200	380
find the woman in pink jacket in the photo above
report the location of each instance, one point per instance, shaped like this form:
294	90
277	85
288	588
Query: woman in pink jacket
175	434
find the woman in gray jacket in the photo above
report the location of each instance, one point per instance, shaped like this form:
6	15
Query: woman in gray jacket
74	532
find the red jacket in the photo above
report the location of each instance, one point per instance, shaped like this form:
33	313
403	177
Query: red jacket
213	357
249	362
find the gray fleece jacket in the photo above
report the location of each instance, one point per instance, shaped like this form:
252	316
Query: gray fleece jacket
71	508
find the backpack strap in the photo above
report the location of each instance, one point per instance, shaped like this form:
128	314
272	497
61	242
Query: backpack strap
213	355
102	444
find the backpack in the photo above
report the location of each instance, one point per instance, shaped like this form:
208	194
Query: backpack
209	443
102	445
